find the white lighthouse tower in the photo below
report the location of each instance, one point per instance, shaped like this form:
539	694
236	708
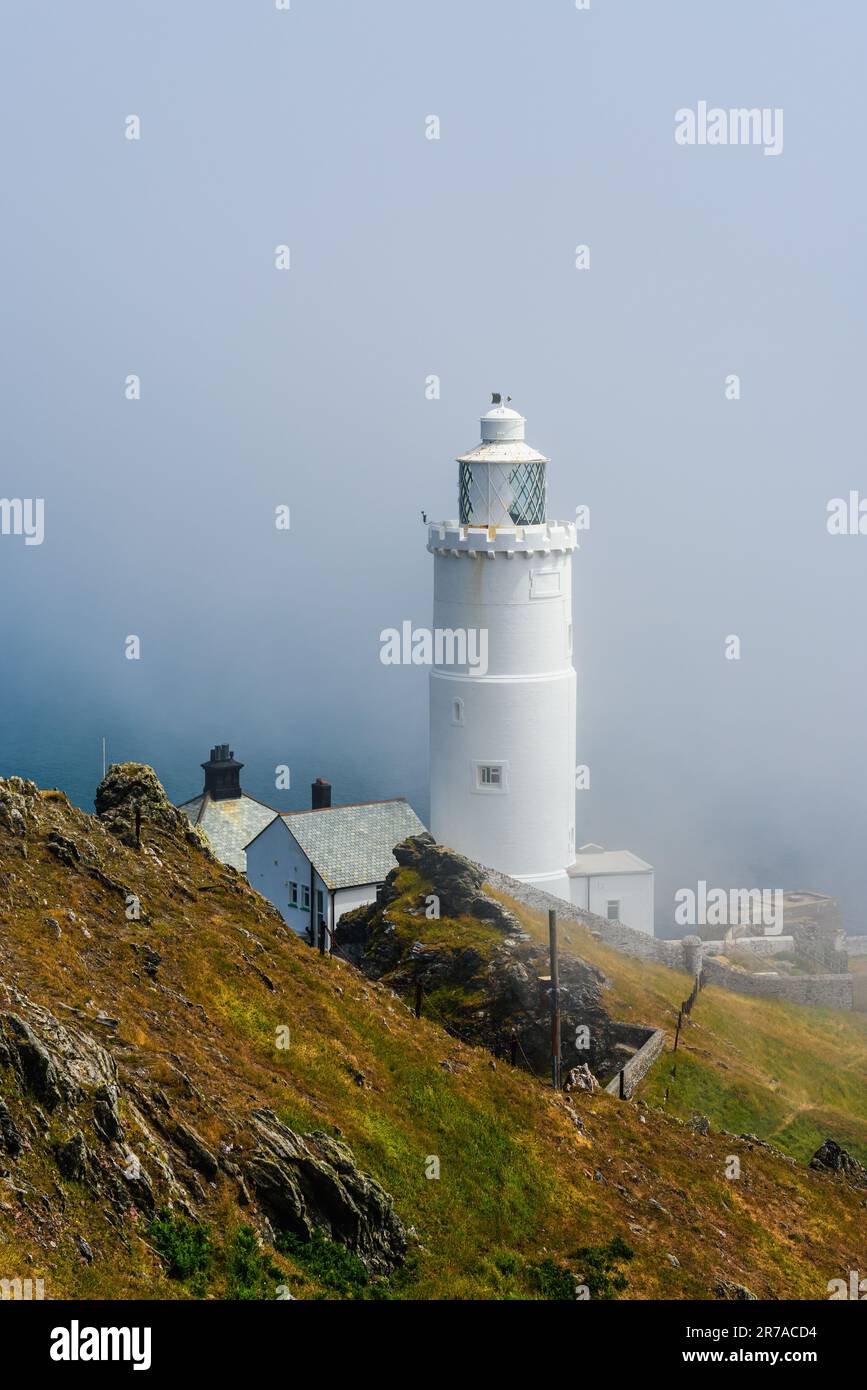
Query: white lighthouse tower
502	731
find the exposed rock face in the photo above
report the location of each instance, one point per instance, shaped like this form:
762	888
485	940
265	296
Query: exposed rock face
150	1158
503	982
128	787
312	1181
830	1158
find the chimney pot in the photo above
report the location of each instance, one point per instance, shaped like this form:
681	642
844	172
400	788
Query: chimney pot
321	794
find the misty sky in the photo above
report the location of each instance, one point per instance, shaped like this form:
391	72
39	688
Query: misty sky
412	257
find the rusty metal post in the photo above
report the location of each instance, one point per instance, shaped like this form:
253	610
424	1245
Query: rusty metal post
555	1000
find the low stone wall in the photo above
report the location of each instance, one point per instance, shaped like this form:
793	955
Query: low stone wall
638	1066
825	991
855	945
750	945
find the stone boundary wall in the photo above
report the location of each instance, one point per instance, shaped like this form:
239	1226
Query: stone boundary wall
750	945
828	991
638	1066
825	991
855	945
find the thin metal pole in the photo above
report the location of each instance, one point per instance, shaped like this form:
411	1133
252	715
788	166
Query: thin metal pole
555	1000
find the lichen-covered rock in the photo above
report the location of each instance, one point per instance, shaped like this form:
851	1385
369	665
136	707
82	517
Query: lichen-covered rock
312	1182
128	788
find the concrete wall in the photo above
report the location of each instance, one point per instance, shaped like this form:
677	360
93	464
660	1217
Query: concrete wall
638	1066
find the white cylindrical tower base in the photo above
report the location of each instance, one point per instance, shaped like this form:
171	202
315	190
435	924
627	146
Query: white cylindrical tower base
503	731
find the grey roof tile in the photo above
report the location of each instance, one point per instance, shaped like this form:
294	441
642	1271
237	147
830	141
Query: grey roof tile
230	825
351	845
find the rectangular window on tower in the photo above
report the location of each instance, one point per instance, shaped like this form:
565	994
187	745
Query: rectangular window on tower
491	777
613	912
293	894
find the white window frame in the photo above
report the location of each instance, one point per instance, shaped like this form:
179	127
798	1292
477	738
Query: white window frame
293	893
609	903
305	897
546	583
488	788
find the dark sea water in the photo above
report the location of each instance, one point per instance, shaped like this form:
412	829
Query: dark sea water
74	764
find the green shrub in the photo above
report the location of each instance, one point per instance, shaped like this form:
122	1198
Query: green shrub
184	1245
553	1280
328	1262
251	1273
598	1265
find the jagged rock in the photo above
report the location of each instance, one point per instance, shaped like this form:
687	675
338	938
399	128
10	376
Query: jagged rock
831	1158
38	1070
84	1249
106	1118
491	990
14	809
73	1158
128	787
11	1140
726	1289
198	1154
581	1079
700	1124
308	1182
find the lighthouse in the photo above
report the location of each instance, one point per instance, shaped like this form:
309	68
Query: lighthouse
502	731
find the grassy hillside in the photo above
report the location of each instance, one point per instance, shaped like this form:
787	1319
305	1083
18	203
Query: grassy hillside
522	1187
789	1074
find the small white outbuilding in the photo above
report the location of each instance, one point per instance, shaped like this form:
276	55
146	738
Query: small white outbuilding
615	884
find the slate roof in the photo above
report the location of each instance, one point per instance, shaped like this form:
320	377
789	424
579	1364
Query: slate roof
230	824
351	845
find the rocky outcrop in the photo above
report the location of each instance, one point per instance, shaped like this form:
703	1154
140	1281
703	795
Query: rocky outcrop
309	1182
491	990
831	1158
122	1140
129	790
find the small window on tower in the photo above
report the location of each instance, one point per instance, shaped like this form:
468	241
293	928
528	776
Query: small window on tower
613	912
457	711
492	777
